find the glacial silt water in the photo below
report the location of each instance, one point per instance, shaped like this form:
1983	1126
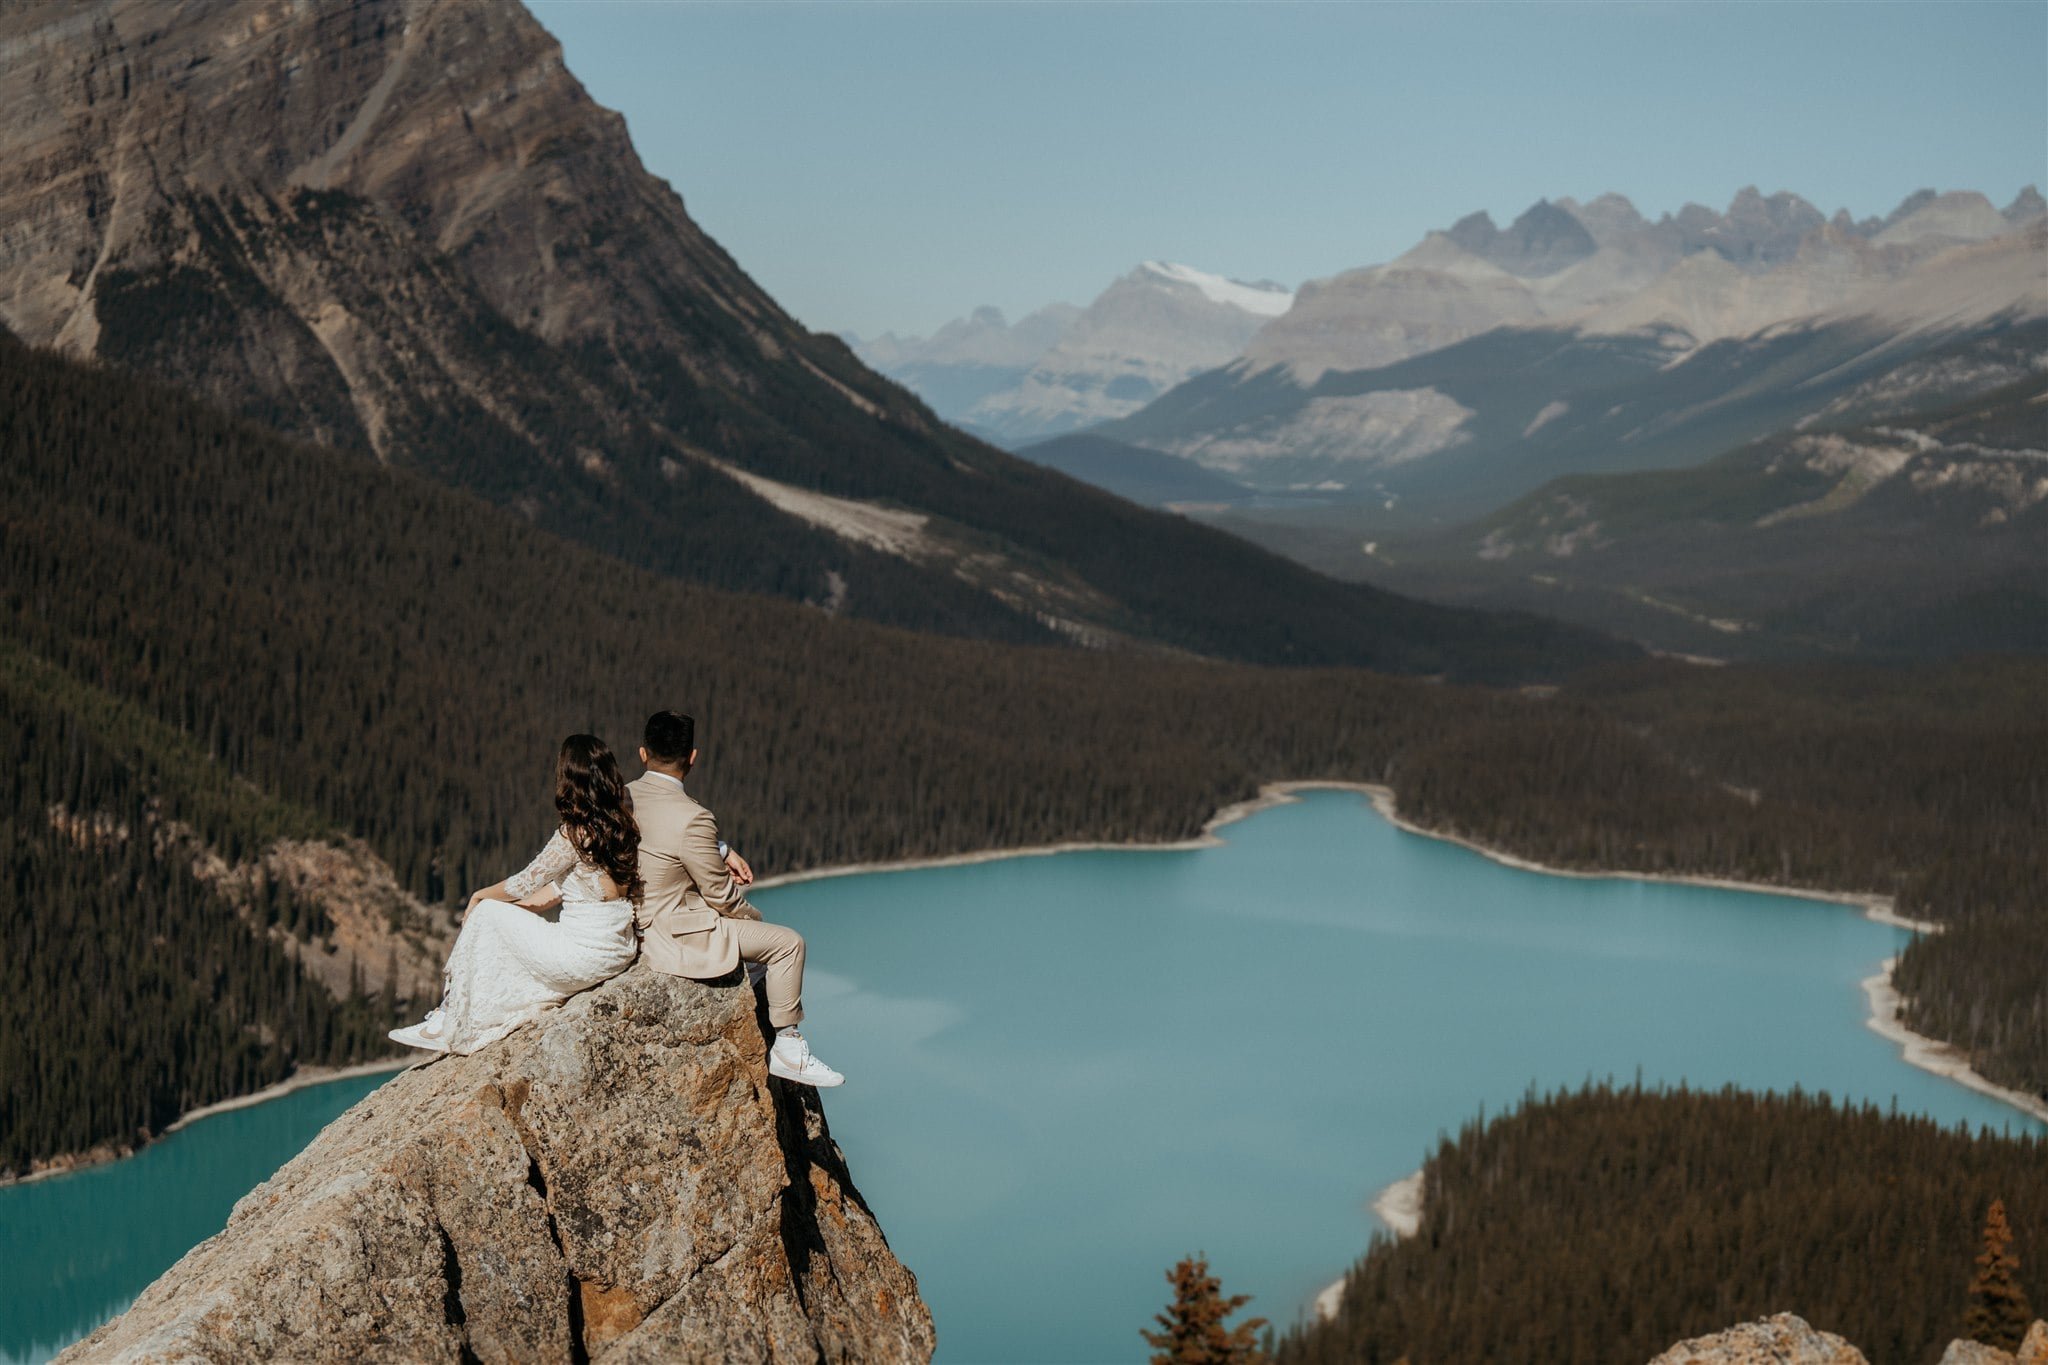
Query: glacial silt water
76	1249
1064	1073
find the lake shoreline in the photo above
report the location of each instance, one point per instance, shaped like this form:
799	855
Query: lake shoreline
1928	1054
1881	990
299	1079
1271	794
1399	1207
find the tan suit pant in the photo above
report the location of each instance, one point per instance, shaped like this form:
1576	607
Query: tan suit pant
779	949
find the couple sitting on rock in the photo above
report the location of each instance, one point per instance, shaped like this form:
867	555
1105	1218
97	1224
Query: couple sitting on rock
634	867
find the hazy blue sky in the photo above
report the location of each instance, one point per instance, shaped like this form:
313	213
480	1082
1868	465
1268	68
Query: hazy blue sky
888	166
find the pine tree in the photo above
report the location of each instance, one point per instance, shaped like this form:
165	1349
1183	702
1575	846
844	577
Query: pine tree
1192	1325
1998	1313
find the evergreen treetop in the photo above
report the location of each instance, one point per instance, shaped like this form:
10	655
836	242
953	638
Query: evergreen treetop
1192	1330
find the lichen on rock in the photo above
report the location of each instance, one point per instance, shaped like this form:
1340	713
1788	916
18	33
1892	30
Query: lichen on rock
1784	1339
619	1181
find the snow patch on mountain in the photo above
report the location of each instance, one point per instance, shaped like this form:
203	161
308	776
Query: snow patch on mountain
1266	299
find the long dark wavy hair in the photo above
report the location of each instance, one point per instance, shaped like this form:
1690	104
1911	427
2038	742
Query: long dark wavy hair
597	811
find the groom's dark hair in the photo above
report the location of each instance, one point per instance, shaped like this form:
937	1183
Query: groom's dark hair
670	737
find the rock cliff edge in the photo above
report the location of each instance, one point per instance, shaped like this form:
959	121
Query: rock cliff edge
619	1182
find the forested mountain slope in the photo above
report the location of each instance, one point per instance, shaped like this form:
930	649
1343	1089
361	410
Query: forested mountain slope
1606	1224
269	640
402	227
1913	531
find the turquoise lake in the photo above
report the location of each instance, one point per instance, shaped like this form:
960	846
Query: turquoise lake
1065	1073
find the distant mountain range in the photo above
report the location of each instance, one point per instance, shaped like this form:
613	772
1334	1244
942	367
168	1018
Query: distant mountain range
1898	525
1148	331
1396	418
1412	380
1456	430
969	359
402	227
1464	373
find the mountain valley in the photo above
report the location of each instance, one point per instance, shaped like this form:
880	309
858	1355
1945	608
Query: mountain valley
331	222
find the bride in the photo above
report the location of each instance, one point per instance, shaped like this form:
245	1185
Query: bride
508	963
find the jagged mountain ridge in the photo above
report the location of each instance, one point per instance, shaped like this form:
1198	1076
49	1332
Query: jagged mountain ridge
1149	330
1457	430
403	227
1603	267
1599	271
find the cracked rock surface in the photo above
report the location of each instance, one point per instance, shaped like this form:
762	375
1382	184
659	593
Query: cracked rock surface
1781	1340
619	1181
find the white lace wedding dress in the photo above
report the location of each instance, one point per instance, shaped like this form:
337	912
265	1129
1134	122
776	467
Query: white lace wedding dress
509	964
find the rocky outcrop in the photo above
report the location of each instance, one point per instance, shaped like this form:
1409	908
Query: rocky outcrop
2033	1350
618	1182
1789	1340
1780	1340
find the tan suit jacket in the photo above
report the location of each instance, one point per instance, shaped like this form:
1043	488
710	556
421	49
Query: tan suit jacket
688	893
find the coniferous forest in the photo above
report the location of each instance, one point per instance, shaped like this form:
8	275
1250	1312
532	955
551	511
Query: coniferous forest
209	633
132	990
1610	1223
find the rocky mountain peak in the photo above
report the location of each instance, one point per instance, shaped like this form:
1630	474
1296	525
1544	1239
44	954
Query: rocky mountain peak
1762	230
1610	217
619	1182
1475	232
1545	239
2027	204
1910	205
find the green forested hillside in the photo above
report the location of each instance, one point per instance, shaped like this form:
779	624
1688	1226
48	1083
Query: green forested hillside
1609	1224
270	632
132	990
1920	530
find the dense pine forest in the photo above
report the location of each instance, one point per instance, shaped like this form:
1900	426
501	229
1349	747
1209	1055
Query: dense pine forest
132	990
1557	1233
261	638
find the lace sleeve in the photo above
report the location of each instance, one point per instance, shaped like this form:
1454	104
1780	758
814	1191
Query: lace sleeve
553	863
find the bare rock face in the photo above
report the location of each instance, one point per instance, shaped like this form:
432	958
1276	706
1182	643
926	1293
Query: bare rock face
1974	1353
2033	1350
330	214
618	1182
1780	1340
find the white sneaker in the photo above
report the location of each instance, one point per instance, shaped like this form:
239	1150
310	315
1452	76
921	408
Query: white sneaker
425	1035
791	1059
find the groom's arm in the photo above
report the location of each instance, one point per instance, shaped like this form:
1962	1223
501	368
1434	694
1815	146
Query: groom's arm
699	854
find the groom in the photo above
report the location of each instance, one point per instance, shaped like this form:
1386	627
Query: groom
693	918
